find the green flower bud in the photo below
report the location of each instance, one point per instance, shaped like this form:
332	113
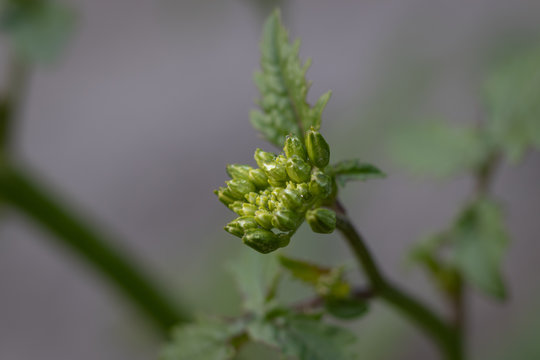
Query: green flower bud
251	197
276	170
291	199
237	171
303	191
261	240
248	209
285	220
297	169
317	148
320	184
238	226
236	207
272	204
262	201
262	157
259	178
224	196
321	220
294	146
239	187
284	239
264	218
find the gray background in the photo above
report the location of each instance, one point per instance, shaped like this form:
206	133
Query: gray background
137	121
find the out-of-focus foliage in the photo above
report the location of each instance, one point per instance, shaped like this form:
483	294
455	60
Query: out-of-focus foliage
480	240
283	87
38	29
297	331
438	149
512	100
205	339
348	170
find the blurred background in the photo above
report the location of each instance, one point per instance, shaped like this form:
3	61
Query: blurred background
137	119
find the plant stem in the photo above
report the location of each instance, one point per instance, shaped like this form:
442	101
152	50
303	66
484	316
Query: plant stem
444	335
38	203
11	99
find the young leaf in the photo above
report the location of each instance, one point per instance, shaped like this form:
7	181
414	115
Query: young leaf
328	282
438	149
480	243
311	339
203	340
39	30
283	87
512	94
346	308
256	277
348	170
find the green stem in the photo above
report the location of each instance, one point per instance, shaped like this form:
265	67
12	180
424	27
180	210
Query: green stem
115	265
444	335
18	73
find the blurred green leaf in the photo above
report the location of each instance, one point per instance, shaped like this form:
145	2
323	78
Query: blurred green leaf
283	87
347	308
39	30
310	339
512	97
255	275
348	170
327	282
438	149
204	340
480	240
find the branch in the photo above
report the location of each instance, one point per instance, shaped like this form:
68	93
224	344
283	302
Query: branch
115	265
444	335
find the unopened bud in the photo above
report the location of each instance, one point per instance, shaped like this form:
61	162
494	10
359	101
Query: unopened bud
262	157
238	226
297	169
251	197
321	220
320	184
293	146
285	220
276	170
291	199
317	148
261	240
236	207
264	218
259	178
224	196
238	171
240	187
248	209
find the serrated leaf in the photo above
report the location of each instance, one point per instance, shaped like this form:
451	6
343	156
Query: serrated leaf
348	170
327	282
283	87
255	275
204	340
512	93
310	339
438	149
39	30
480	244
346	308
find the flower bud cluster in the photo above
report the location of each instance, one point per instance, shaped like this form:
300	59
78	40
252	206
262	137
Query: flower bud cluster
273	199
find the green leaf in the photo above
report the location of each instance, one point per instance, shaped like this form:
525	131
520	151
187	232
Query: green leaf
512	93
203	340
39	30
480	244
438	149
347	308
310	339
327	282
283	87
256	276
348	170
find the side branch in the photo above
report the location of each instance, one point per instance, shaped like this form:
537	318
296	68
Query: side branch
443	334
